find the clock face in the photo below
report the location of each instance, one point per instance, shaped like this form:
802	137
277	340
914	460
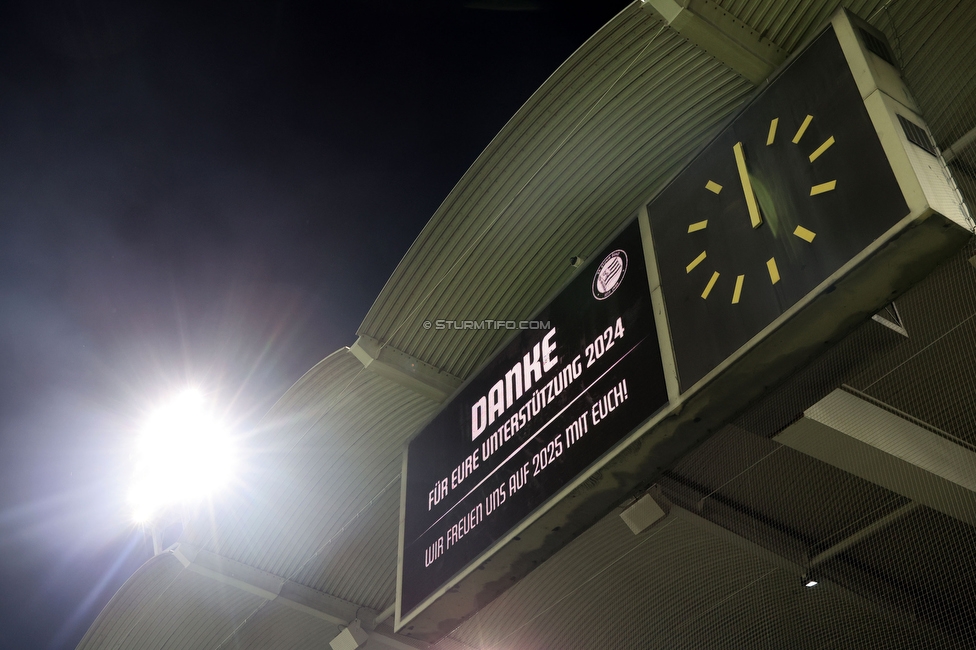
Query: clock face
796	186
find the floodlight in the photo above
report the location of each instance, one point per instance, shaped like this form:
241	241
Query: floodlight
183	454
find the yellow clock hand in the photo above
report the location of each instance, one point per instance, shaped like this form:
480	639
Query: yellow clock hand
740	163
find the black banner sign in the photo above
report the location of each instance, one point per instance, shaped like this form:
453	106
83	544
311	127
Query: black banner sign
542	411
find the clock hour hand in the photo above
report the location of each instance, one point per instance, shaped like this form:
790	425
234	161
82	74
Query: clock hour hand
740	163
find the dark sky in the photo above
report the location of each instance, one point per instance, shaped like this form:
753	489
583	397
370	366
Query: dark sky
209	195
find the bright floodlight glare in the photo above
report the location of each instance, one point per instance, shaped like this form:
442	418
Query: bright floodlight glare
183	454
811	583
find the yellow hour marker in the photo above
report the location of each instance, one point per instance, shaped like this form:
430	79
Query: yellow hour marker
823	187
802	129
772	131
822	148
712	186
804	234
773	271
737	293
711	283
698	225
695	262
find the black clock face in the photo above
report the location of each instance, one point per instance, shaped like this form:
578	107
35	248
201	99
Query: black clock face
793	189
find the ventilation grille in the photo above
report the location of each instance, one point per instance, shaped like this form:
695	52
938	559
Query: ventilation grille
877	46
917	135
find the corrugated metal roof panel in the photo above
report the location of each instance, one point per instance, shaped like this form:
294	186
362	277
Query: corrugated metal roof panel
127	606
164	605
496	176
360	565
606	130
787	23
193	613
279	626
330	459
185	611
935	44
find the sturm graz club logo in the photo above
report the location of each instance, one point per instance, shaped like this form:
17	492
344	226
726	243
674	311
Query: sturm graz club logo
609	274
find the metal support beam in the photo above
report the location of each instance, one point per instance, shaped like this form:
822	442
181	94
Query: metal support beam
865	440
385	614
952	152
862	534
404	369
777	559
384	638
728	39
784	551
157	540
882	607
789	550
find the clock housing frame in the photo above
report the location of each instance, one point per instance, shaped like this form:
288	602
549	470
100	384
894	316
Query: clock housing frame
892	213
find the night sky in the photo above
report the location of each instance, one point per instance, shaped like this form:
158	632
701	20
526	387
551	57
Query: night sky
209	196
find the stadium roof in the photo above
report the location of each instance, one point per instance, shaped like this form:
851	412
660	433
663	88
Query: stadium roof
312	544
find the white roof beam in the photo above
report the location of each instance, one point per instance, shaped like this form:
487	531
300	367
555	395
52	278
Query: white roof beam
728	39
872	443
408	371
266	585
861	534
953	151
228	572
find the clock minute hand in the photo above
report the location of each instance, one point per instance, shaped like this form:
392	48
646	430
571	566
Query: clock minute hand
740	163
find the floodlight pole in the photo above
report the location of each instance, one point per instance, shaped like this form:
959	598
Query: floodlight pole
157	539
160	522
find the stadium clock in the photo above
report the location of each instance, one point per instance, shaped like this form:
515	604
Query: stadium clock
792	189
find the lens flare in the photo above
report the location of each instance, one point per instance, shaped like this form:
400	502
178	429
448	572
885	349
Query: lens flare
183	455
